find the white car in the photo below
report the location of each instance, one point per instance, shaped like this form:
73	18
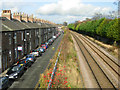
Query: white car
35	53
54	37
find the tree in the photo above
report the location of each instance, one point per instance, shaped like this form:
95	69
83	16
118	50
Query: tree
114	32
65	23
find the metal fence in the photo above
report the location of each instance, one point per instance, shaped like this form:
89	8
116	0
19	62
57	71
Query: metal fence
53	73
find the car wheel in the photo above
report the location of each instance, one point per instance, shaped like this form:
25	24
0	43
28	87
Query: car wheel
17	77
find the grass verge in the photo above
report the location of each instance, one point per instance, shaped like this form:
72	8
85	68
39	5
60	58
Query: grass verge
68	73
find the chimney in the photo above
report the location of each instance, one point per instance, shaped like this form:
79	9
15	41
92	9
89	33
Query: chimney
38	20
17	16
25	17
34	19
31	19
7	14
43	21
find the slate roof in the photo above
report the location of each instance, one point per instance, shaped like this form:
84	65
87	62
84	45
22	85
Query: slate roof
10	24
13	25
42	25
51	25
21	25
32	25
5	28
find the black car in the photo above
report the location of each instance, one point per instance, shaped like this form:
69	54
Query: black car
25	62
4	82
15	71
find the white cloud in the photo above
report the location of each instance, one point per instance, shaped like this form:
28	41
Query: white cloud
14	9
61	19
58	11
71	7
29	0
99	0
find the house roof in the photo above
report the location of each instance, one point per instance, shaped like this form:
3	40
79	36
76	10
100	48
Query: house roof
32	25
5	28
21	25
9	24
13	25
42	25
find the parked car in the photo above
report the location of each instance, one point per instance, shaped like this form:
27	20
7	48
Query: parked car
54	37
40	53
44	46
31	58
15	71
47	43
57	35
36	53
50	41
4	82
42	50
25	62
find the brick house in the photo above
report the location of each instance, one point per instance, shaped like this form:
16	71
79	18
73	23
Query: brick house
20	35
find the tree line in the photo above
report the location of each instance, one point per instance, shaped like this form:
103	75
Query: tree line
107	28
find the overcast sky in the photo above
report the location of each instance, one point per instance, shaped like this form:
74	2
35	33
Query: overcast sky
59	11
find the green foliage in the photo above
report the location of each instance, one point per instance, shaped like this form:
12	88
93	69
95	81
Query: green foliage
77	27
71	26
114	31
102	27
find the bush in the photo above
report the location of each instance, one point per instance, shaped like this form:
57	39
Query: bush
103	27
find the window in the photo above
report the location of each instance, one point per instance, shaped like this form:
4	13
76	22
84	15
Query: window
30	34
15	53
15	37
22	50
37	32
10	56
30	46
3	62
22	36
10	39
5	33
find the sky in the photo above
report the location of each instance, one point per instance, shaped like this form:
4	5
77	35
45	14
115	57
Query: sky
59	11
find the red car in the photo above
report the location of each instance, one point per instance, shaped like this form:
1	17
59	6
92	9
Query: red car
44	46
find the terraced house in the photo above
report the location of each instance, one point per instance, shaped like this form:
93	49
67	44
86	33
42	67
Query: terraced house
21	34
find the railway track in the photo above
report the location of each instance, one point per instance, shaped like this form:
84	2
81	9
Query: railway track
113	64
100	76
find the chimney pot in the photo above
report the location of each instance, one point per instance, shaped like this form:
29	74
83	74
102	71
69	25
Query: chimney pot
17	16
7	14
25	17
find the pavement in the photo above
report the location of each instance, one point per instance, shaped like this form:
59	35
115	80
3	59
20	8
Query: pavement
30	78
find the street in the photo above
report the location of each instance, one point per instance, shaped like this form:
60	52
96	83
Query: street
30	78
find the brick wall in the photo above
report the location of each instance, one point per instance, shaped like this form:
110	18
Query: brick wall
7	50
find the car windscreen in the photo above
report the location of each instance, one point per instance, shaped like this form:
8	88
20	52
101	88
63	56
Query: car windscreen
13	69
20	62
28	56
